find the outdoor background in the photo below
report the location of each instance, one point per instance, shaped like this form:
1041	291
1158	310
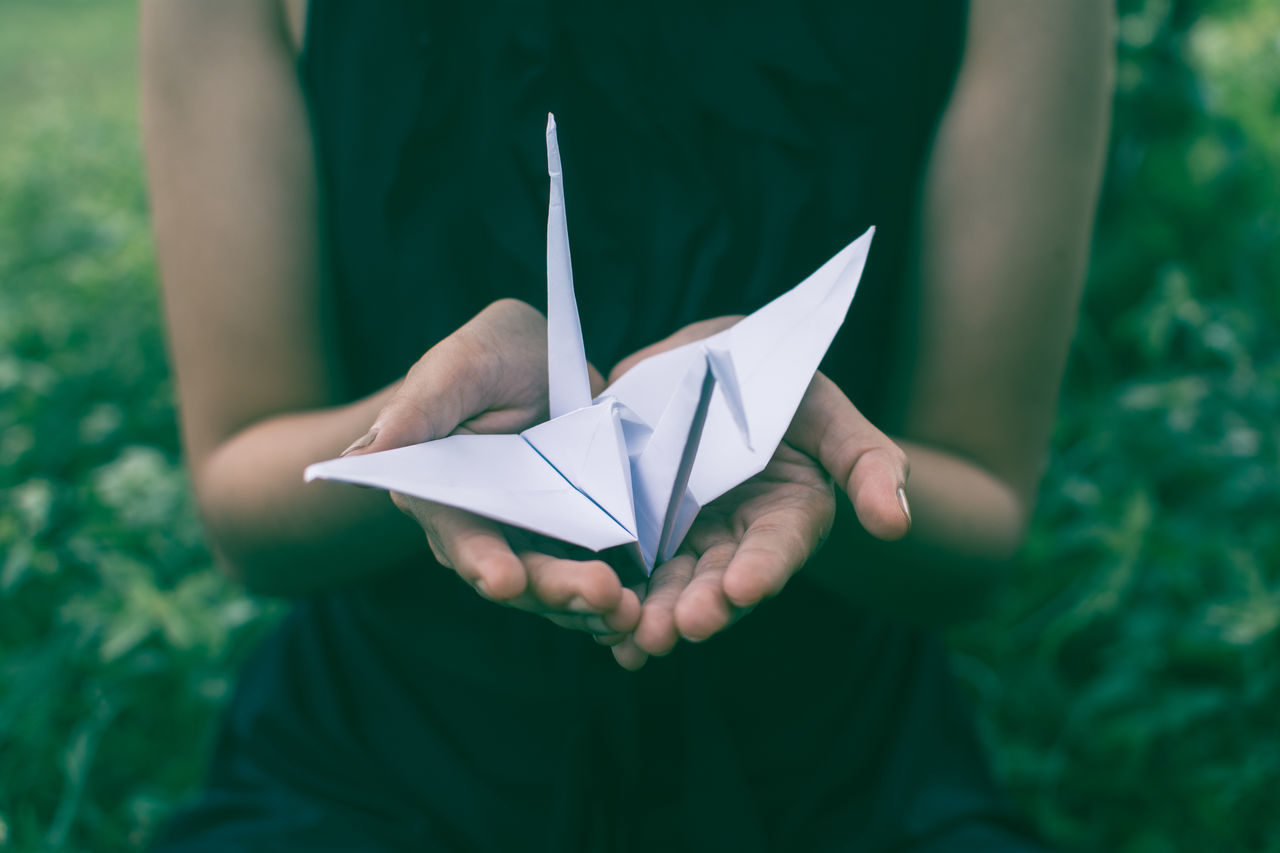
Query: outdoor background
1129	686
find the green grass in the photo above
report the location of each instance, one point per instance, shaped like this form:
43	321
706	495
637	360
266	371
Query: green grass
116	637
1127	683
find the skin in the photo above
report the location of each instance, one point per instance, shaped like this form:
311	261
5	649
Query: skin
1000	249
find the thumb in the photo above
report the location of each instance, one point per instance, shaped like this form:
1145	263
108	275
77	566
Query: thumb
859	457
450	384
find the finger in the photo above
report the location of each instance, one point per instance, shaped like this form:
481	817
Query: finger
878	490
583	595
610	639
443	389
458	378
703	609
773	549
472	546
580	622
626	616
616	624
860	458
596	379
628	655
578	586
656	633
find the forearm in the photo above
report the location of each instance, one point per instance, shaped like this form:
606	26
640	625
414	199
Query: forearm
1002	243
283	536
966	526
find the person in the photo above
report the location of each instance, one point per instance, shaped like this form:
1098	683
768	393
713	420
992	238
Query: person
348	203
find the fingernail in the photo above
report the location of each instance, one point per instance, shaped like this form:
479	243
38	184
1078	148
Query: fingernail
906	507
361	442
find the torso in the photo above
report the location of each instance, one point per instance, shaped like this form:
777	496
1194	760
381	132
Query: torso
712	159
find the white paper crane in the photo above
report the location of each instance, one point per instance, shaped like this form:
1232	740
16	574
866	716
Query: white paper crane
633	466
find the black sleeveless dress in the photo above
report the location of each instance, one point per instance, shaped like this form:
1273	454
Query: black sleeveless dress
714	155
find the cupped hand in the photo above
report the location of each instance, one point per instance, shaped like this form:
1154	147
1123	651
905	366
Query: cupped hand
490	376
746	545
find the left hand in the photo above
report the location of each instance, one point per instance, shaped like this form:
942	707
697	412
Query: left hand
490	376
747	544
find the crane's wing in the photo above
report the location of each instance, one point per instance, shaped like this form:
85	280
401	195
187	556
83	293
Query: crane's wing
501	477
774	353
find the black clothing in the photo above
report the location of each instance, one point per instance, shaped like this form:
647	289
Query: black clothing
714	155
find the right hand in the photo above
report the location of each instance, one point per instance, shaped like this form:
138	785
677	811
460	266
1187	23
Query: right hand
490	376
744	546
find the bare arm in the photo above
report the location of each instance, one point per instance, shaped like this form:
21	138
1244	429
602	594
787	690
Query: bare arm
1002	245
236	206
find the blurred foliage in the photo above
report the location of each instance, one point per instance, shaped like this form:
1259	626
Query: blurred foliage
116	636
1128	683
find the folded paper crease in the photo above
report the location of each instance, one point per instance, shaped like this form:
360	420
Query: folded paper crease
634	466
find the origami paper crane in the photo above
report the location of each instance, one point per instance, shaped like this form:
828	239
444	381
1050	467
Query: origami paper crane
633	466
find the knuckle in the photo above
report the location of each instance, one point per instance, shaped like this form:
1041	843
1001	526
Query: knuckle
442	556
598	583
509	306
550	583
505	587
843	448
898	457
717	556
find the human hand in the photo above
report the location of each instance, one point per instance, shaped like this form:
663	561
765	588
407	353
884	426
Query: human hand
490	376
746	545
